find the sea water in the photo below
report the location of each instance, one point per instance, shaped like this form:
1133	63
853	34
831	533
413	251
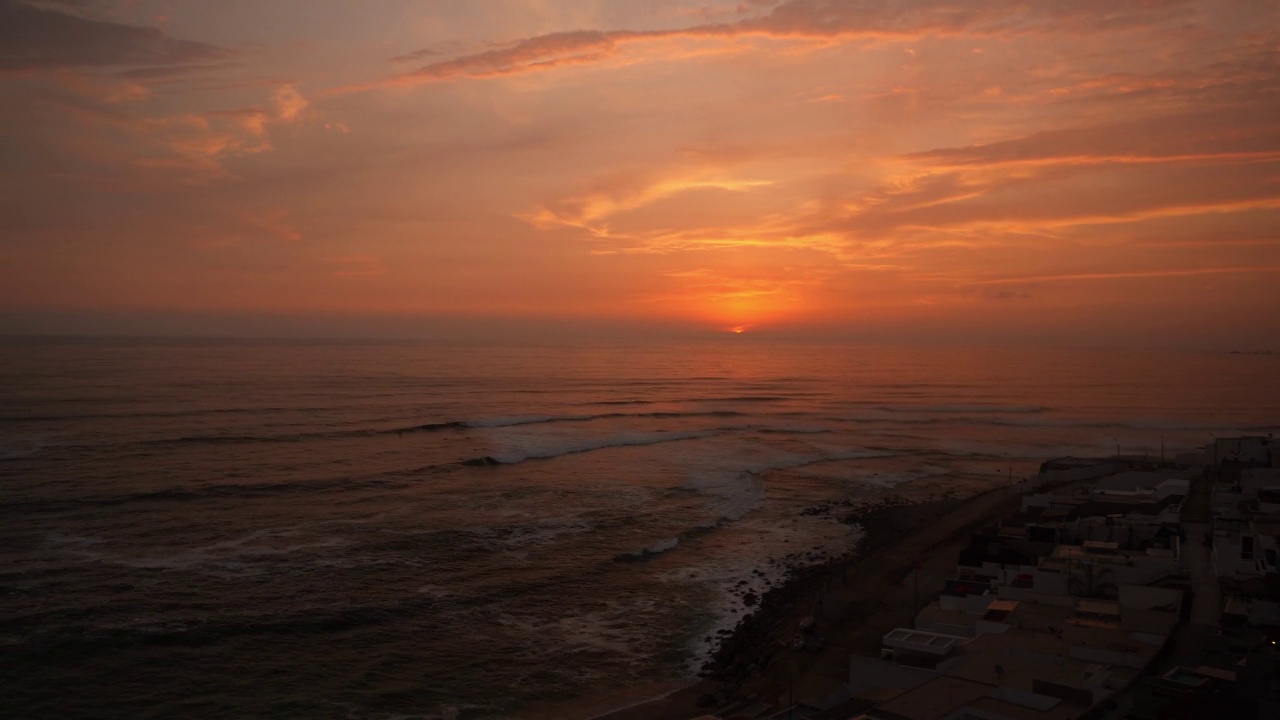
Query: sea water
258	529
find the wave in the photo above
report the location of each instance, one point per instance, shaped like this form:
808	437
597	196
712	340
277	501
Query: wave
518	420
12	453
974	408
745	398
84	641
157	414
574	448
389	480
1014	420
735	493
529	420
794	431
444	426
650	552
620	402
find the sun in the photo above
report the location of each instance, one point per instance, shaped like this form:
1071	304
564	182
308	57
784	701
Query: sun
739	329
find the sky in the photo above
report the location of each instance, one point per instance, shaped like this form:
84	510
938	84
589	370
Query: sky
1099	173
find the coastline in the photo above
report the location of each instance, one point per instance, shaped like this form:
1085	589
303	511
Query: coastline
853	600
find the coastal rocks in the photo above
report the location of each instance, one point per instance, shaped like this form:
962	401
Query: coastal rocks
766	628
750	646
707	700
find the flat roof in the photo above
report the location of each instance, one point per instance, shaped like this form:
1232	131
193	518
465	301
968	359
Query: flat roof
1061	711
937	698
922	637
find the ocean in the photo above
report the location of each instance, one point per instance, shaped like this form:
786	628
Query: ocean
210	529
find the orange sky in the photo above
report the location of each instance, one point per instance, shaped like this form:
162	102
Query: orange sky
1091	172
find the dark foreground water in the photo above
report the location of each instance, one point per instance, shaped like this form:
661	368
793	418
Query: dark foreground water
286	530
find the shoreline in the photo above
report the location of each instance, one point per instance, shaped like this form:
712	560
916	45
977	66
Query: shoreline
754	663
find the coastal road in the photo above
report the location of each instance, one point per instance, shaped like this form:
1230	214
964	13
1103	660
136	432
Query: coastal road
1191	640
881	593
1206	608
875	596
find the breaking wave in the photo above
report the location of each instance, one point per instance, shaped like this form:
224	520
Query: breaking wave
650	552
584	446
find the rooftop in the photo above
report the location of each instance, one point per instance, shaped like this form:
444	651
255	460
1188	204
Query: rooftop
921	641
935	699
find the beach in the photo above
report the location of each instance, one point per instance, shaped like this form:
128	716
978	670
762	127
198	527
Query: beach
854	602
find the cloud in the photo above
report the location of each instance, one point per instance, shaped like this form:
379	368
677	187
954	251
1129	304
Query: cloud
1170	138
416	56
37	38
159	73
356	266
289	105
1129	275
822	20
542	52
104	132
1145	164
275	223
201	142
614	194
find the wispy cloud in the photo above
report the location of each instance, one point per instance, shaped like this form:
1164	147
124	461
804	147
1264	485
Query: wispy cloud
48	37
608	196
815	20
1128	275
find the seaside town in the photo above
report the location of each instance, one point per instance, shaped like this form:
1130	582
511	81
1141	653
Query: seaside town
1125	587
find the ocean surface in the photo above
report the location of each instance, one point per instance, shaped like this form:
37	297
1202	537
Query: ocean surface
204	529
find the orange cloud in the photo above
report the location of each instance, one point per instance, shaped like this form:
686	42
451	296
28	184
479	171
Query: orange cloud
195	145
277	223
817	20
1138	274
609	196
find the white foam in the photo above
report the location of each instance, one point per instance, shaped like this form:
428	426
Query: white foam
735	568
736	492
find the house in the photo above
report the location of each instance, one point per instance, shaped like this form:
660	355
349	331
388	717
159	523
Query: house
1246	451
